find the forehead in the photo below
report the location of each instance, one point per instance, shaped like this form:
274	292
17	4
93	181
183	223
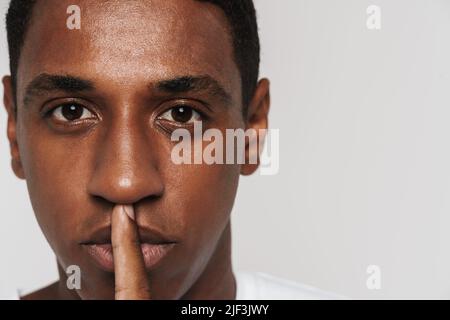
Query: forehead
128	42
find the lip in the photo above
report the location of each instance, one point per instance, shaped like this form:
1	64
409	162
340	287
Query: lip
152	253
146	235
154	247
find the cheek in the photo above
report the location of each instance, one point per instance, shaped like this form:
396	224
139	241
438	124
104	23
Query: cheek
54	181
202	197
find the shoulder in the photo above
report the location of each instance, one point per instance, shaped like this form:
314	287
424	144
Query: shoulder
47	293
262	286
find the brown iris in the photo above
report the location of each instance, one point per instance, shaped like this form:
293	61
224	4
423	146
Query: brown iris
72	111
181	114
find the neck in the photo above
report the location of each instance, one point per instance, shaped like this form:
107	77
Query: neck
62	291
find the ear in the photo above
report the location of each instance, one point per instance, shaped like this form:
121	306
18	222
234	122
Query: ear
257	120
8	100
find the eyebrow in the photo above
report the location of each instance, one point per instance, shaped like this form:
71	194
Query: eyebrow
71	84
47	83
204	83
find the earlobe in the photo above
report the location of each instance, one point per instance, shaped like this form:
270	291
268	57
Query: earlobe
257	120
8	100
16	165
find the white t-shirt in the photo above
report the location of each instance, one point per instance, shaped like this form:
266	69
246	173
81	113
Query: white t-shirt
262	286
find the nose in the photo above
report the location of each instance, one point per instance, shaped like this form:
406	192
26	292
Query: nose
125	168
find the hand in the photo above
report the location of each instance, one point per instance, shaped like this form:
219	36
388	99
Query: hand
129	268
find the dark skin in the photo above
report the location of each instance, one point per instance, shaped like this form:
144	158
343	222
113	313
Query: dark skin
114	148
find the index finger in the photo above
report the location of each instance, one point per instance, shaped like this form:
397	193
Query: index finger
131	281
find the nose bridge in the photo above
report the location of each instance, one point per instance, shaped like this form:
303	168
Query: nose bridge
125	170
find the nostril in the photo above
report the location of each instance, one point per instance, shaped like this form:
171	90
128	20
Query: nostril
126	190
101	201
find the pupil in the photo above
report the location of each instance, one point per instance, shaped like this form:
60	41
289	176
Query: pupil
72	112
182	114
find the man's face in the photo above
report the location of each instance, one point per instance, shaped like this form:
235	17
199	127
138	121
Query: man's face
95	128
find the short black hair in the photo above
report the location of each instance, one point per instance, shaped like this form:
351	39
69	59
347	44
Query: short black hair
242	20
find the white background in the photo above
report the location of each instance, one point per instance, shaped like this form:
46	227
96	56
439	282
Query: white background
364	174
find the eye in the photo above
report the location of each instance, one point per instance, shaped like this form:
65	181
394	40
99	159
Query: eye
71	112
181	114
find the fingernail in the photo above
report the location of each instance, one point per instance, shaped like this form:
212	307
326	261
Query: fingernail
129	211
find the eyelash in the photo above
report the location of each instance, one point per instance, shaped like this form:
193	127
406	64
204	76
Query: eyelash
51	113
187	108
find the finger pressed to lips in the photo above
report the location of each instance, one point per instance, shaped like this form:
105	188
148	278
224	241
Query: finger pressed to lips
129	266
